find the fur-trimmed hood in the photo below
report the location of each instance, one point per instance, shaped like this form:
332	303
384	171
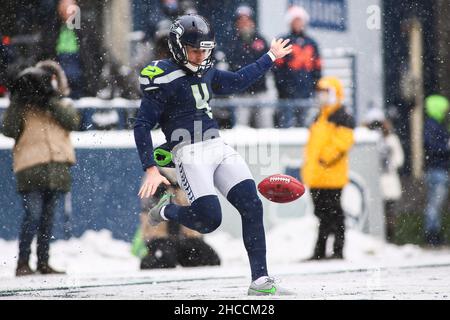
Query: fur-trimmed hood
54	68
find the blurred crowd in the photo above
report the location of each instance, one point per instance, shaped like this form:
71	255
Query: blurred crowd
43	62
49	31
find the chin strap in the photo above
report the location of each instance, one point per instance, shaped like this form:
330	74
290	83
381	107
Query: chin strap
198	67
192	67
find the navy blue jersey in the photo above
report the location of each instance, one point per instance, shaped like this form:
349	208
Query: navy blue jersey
179	101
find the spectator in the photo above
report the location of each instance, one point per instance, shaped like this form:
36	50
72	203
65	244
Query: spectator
79	48
68	48
437	163
248	46
325	170
40	120
21	28
4	57
170	243
153	18
296	75
392	158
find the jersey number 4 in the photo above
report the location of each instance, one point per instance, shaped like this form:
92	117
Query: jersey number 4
201	96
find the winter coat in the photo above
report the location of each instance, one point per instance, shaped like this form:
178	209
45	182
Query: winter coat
326	153
296	74
437	145
43	152
392	159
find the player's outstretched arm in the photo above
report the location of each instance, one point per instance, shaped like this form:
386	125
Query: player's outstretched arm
279	48
226	82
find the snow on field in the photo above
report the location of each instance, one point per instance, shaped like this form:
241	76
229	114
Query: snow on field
99	266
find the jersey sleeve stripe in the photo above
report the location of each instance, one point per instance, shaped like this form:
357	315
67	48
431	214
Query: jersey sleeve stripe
151	88
144	81
170	77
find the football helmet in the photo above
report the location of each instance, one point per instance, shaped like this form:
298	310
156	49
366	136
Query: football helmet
195	31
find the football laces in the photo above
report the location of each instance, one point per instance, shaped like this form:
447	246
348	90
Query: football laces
280	179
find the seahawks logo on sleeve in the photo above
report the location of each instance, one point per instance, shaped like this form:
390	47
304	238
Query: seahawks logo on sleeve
148	75
159	73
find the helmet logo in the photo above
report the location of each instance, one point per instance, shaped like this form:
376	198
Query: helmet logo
207	44
177	28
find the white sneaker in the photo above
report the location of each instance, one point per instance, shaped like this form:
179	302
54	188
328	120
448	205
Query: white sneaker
267	286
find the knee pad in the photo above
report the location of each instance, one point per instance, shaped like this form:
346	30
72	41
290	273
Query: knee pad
206	213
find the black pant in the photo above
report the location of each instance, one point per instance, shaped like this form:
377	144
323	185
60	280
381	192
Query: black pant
327	207
389	211
38	219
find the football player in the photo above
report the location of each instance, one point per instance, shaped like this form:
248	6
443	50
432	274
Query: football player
176	93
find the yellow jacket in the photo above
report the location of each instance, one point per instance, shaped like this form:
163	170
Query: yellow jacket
326	153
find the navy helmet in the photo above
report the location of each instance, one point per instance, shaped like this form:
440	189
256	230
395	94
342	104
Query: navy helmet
195	31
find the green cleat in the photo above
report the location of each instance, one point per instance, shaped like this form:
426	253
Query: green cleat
155	213
267	286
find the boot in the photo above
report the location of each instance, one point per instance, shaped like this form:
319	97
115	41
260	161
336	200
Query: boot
23	269
315	257
338	247
321	242
336	256
319	249
44	268
433	238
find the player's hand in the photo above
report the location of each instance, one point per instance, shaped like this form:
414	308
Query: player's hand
279	49
151	182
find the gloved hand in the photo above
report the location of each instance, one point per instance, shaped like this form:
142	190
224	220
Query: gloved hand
163	155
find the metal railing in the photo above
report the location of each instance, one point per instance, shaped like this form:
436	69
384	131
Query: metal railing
118	112
337	62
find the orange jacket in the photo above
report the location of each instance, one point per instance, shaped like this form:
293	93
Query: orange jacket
326	153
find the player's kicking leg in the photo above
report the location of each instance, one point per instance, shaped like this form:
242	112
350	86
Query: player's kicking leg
234	180
195	176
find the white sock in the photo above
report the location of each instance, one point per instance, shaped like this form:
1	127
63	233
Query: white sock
260	280
161	212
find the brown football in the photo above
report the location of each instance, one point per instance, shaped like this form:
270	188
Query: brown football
281	188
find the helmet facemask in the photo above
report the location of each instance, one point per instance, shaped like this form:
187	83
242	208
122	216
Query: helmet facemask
206	63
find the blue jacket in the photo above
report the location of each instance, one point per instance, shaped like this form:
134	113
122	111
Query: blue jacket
436	143
296	74
178	101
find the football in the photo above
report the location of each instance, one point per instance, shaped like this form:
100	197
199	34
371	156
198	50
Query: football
281	188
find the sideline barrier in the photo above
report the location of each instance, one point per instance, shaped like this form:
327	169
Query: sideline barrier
107	176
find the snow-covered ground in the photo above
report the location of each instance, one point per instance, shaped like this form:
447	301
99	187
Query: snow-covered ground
100	267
